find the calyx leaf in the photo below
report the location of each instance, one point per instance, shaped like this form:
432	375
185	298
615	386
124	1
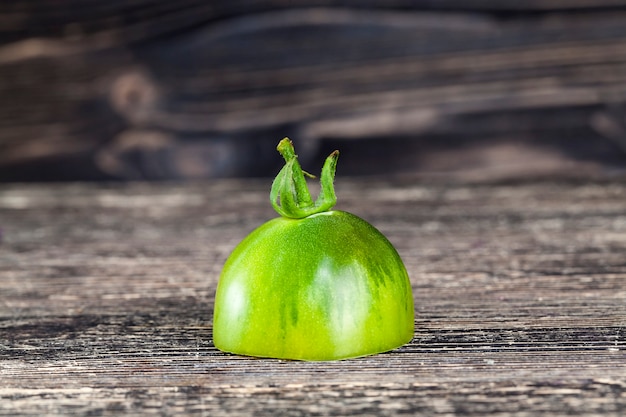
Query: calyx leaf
290	194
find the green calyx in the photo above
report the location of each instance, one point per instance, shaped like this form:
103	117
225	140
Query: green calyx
290	194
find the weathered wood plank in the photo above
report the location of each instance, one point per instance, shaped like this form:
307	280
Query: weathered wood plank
106	296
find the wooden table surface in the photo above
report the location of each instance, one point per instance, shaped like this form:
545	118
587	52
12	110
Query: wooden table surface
106	298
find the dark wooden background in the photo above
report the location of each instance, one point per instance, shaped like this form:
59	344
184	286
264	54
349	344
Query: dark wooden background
146	89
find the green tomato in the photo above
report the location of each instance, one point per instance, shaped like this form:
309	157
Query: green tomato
319	285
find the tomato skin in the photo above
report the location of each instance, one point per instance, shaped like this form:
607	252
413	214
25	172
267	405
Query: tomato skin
325	287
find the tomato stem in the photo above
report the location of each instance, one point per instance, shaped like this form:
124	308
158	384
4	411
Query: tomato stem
290	194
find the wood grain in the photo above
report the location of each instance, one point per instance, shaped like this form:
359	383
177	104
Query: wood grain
148	90
106	296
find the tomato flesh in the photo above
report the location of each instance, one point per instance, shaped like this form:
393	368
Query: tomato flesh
325	287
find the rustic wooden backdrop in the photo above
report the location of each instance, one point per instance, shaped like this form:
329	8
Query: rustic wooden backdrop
146	89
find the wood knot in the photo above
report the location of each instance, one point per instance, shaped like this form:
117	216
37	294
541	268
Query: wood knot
134	96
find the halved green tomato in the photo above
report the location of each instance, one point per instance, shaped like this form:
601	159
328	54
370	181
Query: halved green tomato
324	286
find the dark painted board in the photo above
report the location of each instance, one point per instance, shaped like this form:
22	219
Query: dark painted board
149	90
